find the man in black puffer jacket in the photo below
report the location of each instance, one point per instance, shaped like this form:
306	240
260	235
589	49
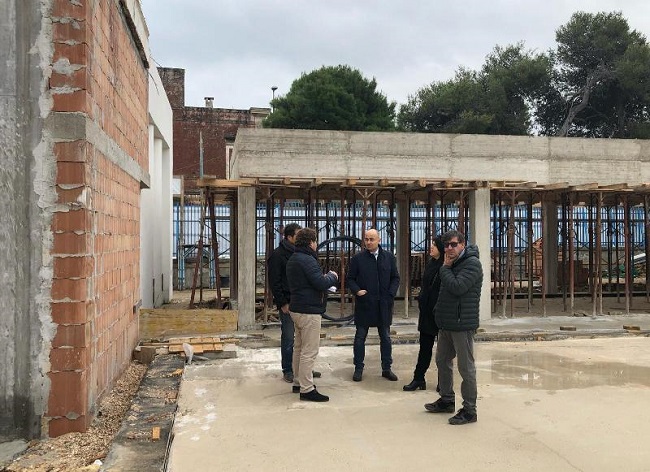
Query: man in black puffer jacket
457	316
308	301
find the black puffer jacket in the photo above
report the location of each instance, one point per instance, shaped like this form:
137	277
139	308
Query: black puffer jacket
307	283
458	303
429	296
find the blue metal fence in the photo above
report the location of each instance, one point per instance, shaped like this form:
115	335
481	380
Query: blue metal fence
328	221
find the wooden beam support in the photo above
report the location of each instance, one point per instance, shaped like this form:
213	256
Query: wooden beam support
583	187
225	183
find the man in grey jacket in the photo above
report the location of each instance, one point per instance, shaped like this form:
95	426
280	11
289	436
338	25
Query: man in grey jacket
457	316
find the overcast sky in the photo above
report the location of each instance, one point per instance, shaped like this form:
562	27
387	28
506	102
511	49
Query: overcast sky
236	50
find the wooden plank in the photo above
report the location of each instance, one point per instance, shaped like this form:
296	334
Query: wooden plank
224	183
583	187
178	325
613	187
155	433
556	186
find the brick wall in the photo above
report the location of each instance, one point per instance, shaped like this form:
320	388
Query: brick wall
216	124
97	72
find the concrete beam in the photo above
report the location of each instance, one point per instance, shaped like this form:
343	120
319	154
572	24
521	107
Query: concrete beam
363	155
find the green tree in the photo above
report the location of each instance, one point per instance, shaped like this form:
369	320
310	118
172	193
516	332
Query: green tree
604	77
333	98
501	98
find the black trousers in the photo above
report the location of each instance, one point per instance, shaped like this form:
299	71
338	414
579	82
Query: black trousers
424	355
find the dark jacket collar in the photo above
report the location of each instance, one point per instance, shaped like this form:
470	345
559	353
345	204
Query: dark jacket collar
306	250
288	245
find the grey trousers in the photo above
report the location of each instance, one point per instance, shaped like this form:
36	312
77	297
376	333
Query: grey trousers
457	344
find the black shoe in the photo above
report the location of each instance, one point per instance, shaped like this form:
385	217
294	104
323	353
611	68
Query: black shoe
463	417
358	375
314	396
388	374
288	377
296	388
315	374
440	406
414	385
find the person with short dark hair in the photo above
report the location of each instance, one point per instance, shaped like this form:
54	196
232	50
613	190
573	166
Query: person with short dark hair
374	280
309	287
457	316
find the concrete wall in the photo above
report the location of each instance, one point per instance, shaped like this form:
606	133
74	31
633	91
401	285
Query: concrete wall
26	174
156	202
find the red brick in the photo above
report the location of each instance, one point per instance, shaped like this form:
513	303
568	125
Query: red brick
71	312
76	101
70	243
71	173
73	220
72	151
69	290
77	195
78	79
68	359
70	9
72	267
59	426
77	335
68	393
76	54
70	31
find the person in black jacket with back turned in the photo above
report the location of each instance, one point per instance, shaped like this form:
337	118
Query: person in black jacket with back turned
374	280
277	266
308	288
457	316
426	321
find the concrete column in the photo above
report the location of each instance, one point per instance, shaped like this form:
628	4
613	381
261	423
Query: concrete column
550	246
246	256
148	230
479	226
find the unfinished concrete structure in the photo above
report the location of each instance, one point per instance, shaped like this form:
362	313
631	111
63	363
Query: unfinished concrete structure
83	137
479	170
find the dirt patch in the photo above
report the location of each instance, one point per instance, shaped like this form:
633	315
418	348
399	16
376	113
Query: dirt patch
77	451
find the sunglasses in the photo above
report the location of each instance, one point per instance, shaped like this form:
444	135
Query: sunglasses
452	244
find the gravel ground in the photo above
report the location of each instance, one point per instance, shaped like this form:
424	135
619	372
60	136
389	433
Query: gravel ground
78	451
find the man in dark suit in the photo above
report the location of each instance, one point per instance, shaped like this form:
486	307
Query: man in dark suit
373	279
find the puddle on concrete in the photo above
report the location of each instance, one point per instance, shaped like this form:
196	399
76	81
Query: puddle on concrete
544	371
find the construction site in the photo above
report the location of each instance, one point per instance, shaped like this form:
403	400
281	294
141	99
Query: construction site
574	239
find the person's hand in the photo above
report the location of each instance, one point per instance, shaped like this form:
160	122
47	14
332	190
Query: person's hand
334	274
361	293
448	261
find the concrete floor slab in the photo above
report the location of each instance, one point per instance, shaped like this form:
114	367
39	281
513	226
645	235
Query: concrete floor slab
570	405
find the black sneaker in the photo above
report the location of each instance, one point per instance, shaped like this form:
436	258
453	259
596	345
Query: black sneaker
314	396
390	375
315	374
440	406
463	417
358	375
288	377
